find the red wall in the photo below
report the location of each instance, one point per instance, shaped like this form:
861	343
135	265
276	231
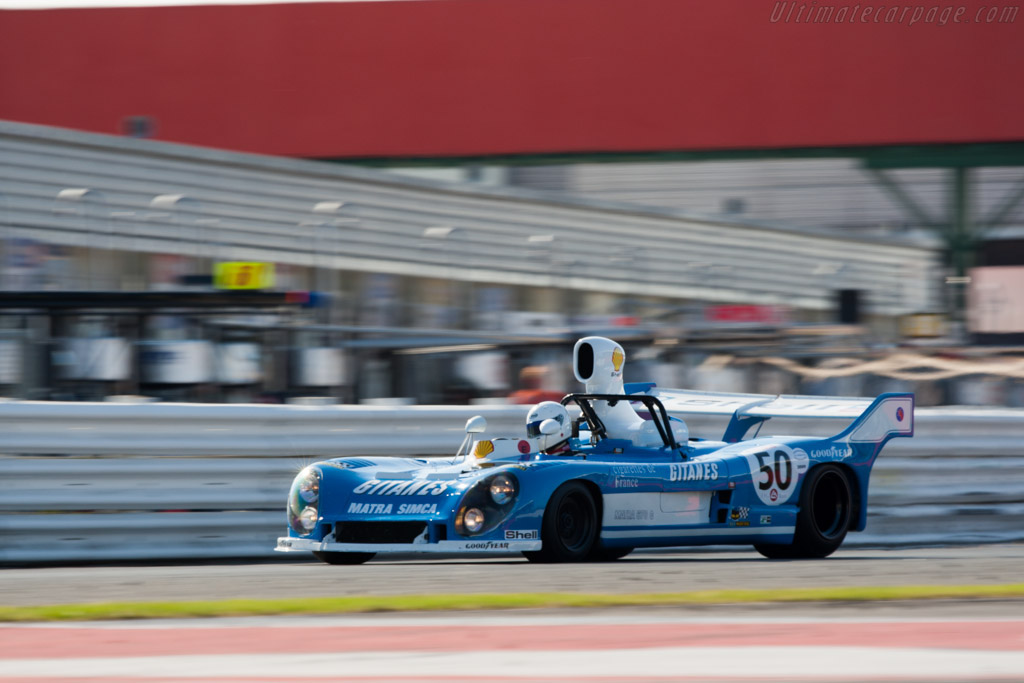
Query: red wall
472	77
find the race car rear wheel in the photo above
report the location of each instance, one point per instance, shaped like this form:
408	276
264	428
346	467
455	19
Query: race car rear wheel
826	504
569	527
342	558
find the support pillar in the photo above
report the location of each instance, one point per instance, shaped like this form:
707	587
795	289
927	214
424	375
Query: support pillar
961	241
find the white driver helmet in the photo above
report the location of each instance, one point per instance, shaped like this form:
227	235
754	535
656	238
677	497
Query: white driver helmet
548	410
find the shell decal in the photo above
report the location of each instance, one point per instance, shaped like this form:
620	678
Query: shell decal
483	449
617	357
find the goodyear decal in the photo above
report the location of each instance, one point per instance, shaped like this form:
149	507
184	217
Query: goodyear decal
833	452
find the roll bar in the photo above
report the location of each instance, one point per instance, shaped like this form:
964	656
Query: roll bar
654	406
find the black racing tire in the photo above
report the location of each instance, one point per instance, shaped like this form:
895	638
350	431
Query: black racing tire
569	529
826	511
600	554
342	558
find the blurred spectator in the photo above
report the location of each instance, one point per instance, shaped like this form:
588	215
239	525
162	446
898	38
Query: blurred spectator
531	383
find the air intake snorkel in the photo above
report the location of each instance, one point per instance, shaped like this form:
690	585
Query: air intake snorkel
598	363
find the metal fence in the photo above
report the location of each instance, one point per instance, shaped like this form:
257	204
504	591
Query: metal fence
91	482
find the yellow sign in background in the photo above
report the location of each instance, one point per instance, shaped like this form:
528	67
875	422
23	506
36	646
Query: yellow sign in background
243	275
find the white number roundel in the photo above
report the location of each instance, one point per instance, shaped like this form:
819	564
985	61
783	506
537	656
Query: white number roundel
775	470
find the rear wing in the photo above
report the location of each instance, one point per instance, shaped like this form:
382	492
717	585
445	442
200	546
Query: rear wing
759	405
888	416
875	420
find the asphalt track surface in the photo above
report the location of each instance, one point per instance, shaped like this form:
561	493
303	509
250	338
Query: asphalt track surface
935	641
677	571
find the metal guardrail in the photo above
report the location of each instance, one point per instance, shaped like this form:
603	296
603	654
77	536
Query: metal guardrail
244	430
92	482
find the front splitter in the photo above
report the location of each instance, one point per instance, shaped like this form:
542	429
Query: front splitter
287	544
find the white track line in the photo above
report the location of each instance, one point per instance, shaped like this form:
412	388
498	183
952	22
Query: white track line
753	663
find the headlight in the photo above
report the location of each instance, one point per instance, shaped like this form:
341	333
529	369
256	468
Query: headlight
503	489
304	501
487	504
309	486
473	520
307	518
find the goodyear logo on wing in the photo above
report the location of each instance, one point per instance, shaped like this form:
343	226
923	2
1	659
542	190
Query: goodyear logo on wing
483	449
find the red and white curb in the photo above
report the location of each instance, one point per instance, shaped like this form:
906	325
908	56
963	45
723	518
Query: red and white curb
457	648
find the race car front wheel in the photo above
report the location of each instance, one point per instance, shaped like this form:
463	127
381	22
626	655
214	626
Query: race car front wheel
342	558
826	502
569	527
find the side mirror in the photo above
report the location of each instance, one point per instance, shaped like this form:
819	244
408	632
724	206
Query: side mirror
476	424
549	427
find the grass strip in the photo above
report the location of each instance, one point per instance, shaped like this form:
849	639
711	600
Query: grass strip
488	601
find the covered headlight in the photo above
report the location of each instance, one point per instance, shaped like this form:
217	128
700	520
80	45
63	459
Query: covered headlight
309	485
304	501
503	489
487	504
307	518
473	520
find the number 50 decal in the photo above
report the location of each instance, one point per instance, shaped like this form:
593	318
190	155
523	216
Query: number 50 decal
775	471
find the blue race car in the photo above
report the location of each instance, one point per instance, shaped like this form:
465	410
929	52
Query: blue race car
619	472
